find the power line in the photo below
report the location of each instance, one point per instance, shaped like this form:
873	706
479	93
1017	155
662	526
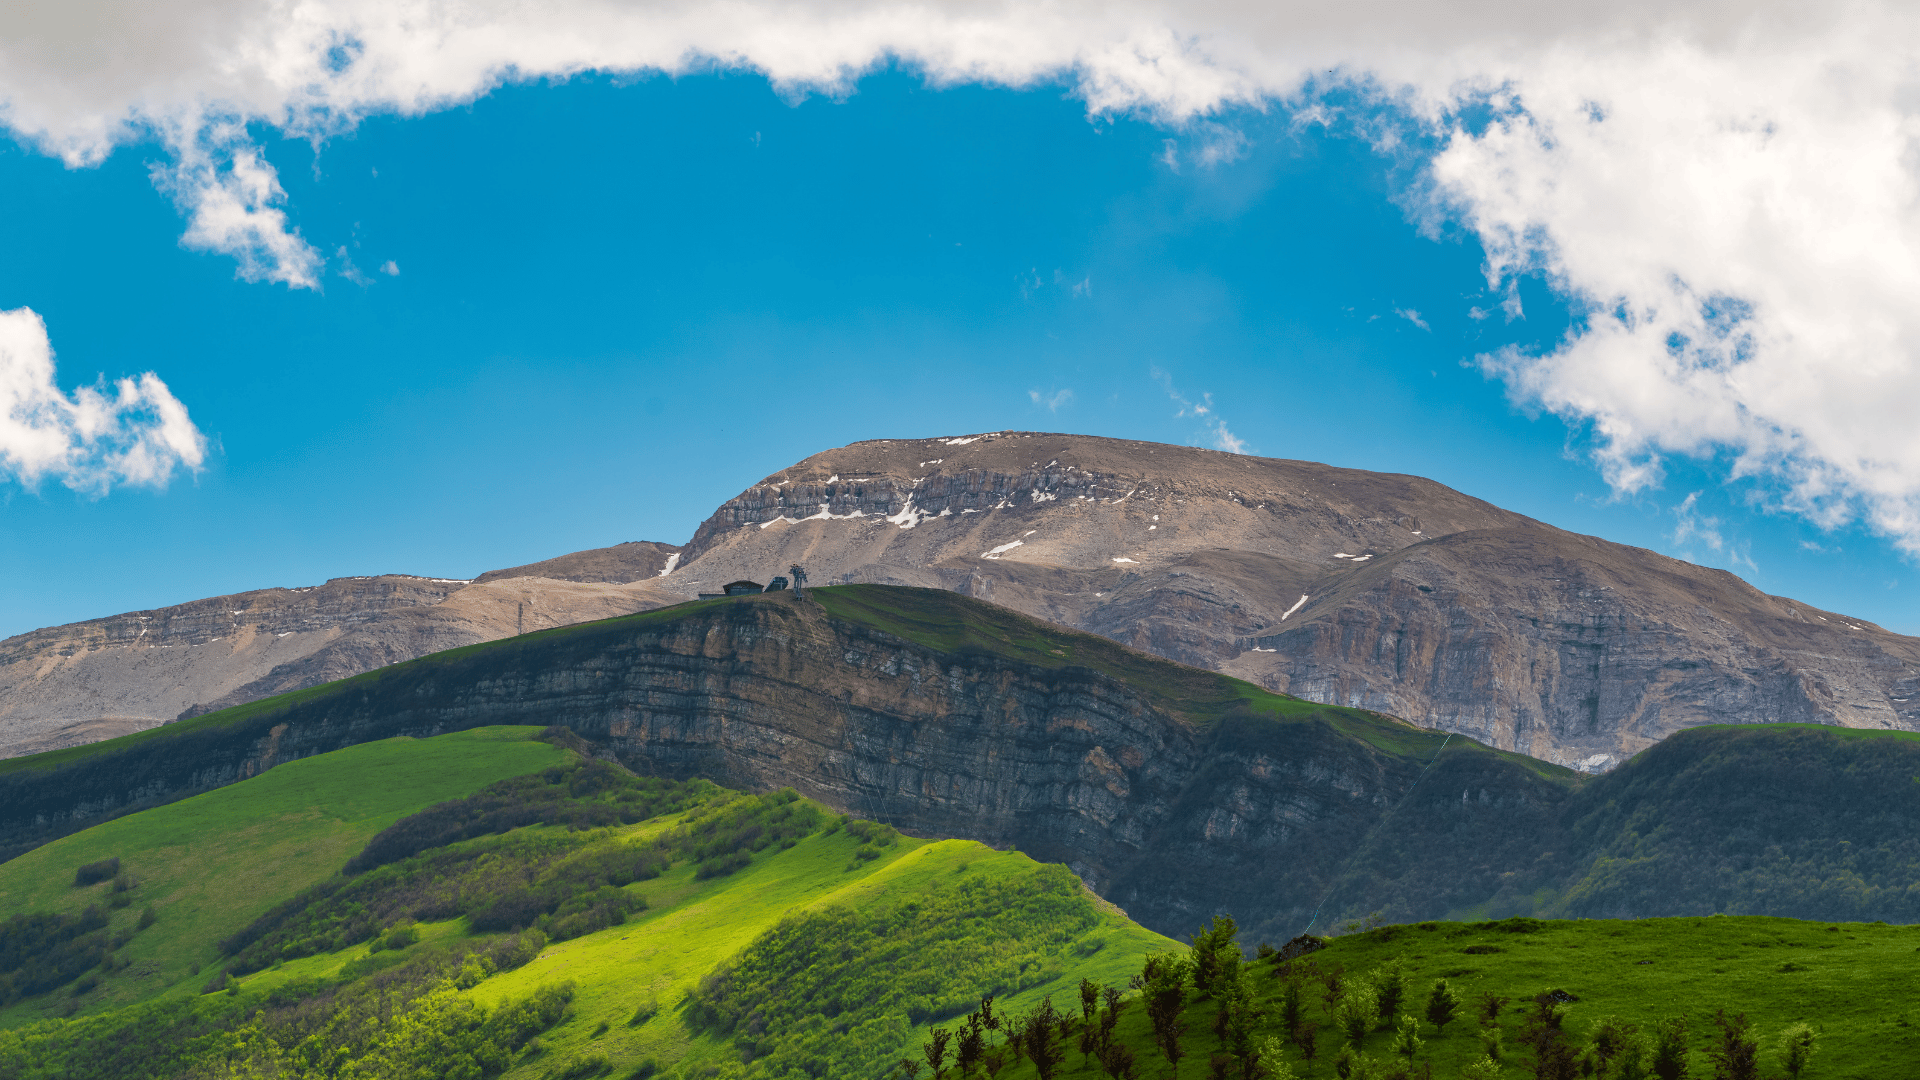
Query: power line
1383	821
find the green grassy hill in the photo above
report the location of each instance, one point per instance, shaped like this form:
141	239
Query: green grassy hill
208	864
570	921
1854	984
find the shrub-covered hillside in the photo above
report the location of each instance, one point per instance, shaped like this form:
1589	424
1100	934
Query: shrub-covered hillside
574	921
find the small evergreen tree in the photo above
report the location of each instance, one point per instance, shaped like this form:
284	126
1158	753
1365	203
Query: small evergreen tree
1308	1040
1613	1040
1406	1038
970	1044
1670	1048
1484	1069
1116	1060
1797	1044
1389	987
1490	1042
1442	1005
1490	1006
1359	1010
1116	1001
1215	954
1735	1053
1290	1008
936	1049
1038	1040
1333	987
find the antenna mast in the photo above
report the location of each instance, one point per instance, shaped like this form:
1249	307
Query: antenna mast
799	581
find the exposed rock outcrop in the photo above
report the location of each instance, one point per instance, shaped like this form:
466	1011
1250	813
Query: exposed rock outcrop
1174	818
1341	586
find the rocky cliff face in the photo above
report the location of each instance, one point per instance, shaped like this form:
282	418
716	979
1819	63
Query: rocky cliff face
1172	819
1174	792
83	682
1386	592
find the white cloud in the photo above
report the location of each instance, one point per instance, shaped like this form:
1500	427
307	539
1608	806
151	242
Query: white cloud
1413	317
1728	191
135	432
1209	417
1051	400
390	268
1693	525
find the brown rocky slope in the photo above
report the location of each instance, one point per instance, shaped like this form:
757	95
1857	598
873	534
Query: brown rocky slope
1387	592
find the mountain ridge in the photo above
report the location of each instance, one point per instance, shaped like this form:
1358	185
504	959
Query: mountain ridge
1383	591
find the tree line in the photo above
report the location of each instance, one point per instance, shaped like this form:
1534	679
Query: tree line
1246	1016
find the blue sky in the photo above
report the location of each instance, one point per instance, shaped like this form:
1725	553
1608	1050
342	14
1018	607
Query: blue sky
615	302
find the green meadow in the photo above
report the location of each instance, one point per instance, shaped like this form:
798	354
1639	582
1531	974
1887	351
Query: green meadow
212	863
1856	984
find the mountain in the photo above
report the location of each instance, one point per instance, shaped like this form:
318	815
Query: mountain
1173	791
1384	592
86	681
1377	591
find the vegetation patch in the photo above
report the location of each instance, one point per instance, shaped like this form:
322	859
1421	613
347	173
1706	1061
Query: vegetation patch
835	992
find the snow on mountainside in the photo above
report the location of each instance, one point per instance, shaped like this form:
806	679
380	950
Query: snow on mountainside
1383	591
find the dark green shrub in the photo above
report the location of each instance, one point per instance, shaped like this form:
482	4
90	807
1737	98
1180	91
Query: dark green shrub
722	865
96	872
147	917
582	1068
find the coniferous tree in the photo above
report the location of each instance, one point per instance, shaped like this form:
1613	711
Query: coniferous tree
970	1043
1406	1038
1797	1044
936	1049
1359	1010
1670	1048
1038	1039
1333	988
1308	1040
1116	1060
1215	953
1735	1053
1490	1006
1110	1019
1389	987
1290	1008
1443	1004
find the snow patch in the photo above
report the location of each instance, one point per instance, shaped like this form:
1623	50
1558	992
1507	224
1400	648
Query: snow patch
283	635
673	560
1118	559
1002	549
935	461
1257	648
1044	496
1297	605
832	478
908	516
1355	558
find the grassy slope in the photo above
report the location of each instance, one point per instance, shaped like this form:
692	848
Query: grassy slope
1857	982
210	864
692	926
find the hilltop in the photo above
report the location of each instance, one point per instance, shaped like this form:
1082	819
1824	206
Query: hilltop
1382	591
1173	791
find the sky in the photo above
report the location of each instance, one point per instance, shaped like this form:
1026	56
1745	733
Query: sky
300	292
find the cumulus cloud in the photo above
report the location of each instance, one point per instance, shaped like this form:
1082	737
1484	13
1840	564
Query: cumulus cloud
135	432
1203	410
1726	192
